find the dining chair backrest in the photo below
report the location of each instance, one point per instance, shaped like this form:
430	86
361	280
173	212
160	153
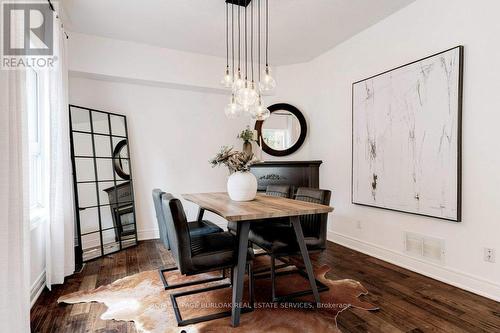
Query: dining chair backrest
178	231
282	191
157	194
314	225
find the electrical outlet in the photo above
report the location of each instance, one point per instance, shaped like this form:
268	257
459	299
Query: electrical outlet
489	255
358	225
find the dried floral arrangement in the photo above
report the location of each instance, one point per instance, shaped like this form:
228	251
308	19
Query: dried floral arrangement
235	161
248	135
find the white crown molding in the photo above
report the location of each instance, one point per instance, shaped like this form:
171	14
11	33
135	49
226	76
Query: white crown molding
150	83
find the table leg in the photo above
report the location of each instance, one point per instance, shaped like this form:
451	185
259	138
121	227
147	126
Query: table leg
305	255
242	230
201	211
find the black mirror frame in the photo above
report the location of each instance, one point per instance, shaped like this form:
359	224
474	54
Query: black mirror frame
303	130
117	162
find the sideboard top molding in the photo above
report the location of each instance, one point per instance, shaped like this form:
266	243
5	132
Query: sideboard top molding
287	163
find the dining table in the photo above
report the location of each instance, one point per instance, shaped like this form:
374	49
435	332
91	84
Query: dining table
263	209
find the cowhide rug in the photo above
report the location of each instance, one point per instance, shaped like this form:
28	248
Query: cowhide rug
142	299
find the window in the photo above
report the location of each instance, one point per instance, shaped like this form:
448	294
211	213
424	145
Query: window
275	138
37	154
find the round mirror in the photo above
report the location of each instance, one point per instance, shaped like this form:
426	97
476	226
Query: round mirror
283	132
120	160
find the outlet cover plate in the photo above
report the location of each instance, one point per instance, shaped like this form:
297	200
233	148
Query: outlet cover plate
489	255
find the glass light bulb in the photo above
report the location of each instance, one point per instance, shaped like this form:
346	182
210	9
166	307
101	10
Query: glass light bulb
238	83
267	83
247	96
227	80
233	109
259	111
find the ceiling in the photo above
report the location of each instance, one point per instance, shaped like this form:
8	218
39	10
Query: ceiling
300	29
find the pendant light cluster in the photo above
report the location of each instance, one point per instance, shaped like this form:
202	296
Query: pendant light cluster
246	89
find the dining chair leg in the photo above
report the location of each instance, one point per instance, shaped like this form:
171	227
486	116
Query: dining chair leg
273	278
167	286
201	212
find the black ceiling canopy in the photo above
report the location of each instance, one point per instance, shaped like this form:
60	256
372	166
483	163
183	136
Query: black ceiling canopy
243	3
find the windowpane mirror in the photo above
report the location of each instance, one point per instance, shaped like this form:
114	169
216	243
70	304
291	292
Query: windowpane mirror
103	183
89	220
80	120
106	218
85	171
118	127
92	245
102	146
121	162
283	132
82	144
100	122
104	169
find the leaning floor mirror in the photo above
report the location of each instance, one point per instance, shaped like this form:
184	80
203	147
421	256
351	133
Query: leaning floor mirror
102	175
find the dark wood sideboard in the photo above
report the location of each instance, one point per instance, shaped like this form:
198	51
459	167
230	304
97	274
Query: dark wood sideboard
293	173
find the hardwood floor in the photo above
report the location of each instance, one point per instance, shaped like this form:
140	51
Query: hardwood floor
408	302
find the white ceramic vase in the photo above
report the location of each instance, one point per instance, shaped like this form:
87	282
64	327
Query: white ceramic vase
242	186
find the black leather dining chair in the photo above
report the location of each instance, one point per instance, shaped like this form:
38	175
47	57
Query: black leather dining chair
279	240
198	227
200	254
282	191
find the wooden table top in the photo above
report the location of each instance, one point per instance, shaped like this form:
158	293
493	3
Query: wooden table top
261	208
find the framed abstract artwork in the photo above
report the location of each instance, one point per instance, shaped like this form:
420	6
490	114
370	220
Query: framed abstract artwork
406	137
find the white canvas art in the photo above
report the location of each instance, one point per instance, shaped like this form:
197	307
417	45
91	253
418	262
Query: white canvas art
406	137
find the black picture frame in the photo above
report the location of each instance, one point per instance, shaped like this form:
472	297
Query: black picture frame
303	130
459	136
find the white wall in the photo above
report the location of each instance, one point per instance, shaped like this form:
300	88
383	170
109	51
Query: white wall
421	29
172	133
93	55
113	60
175	111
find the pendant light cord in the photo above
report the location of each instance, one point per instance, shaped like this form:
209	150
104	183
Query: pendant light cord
239	37
227	35
246	47
267	33
251	37
232	35
260	12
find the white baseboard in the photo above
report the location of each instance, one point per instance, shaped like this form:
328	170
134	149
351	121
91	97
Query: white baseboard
474	284
146	234
37	288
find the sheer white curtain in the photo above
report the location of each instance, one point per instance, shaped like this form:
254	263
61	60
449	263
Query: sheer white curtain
60	259
14	202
